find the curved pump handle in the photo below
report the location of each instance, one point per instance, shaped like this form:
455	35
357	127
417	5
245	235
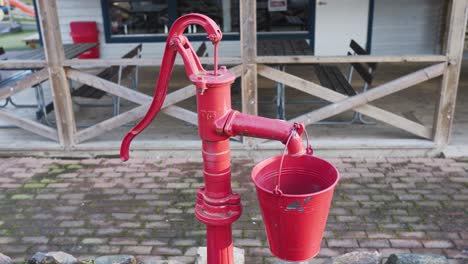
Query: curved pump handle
176	42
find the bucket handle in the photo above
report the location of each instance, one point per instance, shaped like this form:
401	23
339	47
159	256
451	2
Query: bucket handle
309	151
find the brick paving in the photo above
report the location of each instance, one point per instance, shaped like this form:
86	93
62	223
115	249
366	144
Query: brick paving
145	207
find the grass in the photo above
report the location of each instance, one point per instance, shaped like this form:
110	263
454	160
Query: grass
14	41
25	20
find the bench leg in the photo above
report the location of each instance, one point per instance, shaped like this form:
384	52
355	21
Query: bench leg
116	105
356	119
41	104
363	121
5	103
280	98
21	105
353	119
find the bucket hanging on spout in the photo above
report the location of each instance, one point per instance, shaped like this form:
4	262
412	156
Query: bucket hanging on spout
295	203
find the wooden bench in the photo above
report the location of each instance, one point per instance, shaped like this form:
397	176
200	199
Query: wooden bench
111	73
7	88
7	85
331	77
114	74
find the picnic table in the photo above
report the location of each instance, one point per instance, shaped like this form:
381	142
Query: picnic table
19	80
287	47
71	51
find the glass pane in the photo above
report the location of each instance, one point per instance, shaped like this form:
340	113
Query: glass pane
224	12
282	15
134	17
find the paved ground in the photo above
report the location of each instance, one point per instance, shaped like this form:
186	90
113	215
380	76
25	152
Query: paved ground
145	208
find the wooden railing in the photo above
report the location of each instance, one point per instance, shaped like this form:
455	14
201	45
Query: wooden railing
248	67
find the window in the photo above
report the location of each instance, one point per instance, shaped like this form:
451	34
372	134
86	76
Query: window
138	17
150	20
284	18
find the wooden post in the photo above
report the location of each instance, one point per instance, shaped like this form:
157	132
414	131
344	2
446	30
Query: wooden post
454	42
248	37
55	57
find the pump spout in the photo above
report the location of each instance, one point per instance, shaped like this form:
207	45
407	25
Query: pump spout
176	42
235	123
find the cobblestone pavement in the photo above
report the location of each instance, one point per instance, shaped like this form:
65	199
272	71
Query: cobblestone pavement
145	208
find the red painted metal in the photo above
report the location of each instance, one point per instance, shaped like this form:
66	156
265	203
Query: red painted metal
296	215
217	206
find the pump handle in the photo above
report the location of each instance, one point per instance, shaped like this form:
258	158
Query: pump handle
176	42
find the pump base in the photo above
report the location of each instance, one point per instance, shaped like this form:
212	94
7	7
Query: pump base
239	257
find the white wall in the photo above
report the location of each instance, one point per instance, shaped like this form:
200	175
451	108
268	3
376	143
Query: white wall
407	27
90	10
400	27
337	22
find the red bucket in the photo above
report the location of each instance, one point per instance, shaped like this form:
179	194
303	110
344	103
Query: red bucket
295	217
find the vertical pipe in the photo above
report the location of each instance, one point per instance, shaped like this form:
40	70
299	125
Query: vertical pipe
217	168
217	173
215	199
219	244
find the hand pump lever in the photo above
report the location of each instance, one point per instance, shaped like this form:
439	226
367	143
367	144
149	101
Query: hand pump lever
217	206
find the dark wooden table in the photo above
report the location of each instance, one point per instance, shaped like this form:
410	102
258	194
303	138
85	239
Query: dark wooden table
71	51
287	47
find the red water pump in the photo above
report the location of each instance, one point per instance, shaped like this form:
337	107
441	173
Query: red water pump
217	206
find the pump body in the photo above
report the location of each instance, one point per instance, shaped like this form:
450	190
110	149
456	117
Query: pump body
217	206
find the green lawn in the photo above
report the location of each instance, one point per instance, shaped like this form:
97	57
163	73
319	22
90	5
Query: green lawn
15	41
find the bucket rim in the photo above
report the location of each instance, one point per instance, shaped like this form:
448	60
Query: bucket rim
262	164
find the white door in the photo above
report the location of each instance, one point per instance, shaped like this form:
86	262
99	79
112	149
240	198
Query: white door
337	22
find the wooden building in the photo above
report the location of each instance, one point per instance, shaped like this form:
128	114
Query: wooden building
420	31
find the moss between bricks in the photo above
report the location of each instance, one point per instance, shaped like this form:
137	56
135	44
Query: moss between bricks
41	180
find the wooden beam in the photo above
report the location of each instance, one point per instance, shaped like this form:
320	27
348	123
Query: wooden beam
130	116
132	95
108	86
348	59
454	44
51	36
372	95
182	114
24	83
332	96
236	70
111	123
168	107
91	63
248	40
29	125
22	64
